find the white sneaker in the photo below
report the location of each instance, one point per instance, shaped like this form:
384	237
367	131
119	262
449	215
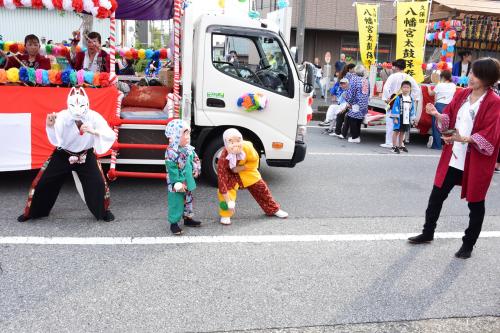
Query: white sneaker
281	214
430	142
341	137
225	220
333	134
386	145
357	140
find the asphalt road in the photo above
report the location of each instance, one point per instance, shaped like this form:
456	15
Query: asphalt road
364	282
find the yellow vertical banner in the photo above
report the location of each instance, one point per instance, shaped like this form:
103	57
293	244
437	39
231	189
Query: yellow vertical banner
411	24
368	32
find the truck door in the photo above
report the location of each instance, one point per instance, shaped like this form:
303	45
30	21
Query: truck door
240	61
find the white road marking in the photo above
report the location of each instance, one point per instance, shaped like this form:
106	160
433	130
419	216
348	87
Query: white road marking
29	240
373	154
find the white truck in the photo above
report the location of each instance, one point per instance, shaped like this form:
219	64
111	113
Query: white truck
225	57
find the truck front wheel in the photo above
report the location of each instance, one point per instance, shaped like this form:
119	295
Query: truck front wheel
210	158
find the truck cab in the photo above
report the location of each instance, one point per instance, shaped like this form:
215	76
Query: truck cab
228	58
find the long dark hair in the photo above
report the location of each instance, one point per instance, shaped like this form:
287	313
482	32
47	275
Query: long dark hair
345	70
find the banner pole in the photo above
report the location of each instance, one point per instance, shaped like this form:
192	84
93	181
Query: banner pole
429	3
378	34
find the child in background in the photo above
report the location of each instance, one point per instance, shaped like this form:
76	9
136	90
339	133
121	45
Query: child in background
402	114
237	168
183	166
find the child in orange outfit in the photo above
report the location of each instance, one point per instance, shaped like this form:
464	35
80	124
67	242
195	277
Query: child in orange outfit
237	168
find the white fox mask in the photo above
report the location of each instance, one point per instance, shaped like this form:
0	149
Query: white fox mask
78	103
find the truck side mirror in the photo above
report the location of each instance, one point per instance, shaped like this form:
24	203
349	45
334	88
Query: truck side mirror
309	78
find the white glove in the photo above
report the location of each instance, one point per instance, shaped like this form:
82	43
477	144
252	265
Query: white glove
178	187
231	204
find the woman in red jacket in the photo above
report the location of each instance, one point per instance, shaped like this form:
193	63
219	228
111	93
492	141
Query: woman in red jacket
470	125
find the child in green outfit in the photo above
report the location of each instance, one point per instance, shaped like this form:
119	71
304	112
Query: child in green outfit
183	166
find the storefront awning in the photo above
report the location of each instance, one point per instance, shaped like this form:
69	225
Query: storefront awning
442	9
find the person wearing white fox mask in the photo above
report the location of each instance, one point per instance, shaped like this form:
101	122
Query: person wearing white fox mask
76	133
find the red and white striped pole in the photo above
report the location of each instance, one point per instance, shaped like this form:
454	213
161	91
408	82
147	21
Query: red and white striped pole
116	127
177	46
112	49
112	79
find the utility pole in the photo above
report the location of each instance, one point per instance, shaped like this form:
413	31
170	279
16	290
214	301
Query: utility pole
301	30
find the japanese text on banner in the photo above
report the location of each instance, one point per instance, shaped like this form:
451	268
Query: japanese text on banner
368	32
411	24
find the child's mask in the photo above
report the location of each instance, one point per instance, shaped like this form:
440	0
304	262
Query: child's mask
233	141
78	103
234	145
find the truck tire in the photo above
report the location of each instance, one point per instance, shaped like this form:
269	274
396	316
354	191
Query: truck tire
210	158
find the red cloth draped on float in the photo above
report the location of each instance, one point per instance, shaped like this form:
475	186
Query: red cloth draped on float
23	113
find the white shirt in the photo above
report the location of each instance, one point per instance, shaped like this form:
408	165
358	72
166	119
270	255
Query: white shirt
464	69
445	92
393	86
464	124
318	73
91	66
66	135
406	100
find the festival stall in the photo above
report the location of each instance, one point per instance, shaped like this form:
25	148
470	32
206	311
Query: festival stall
459	25
28	95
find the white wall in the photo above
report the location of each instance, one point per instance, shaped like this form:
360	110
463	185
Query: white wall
15	24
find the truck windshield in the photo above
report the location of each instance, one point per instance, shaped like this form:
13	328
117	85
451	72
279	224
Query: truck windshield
256	59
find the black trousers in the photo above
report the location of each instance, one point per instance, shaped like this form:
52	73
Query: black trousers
340	123
47	184
439	195
353	125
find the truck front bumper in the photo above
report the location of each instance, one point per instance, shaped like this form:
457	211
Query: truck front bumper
299	154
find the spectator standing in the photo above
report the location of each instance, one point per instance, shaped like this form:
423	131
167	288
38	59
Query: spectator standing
392	88
403	115
443	94
317	77
471	130
462	67
339	65
357	97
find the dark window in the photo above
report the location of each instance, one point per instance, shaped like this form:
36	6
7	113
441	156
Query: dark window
257	60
